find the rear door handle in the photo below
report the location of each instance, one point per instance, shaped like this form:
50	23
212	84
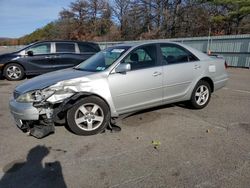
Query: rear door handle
156	74
48	57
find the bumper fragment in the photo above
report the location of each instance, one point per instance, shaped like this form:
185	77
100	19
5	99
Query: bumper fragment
23	111
29	119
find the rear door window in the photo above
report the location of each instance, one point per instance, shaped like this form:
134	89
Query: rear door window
65	47
173	54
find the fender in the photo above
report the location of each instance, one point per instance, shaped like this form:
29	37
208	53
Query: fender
59	111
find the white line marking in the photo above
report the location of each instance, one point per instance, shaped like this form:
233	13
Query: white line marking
237	90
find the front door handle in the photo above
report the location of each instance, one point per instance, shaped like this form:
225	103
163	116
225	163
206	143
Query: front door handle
156	74
48	57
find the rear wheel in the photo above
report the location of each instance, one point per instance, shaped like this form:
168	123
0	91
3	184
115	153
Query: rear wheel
88	116
201	95
13	71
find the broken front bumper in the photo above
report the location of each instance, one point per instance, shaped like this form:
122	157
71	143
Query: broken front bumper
36	121
23	112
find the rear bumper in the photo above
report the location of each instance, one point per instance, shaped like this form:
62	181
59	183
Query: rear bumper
219	84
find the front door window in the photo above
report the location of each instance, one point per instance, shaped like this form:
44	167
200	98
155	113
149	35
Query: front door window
143	57
37	49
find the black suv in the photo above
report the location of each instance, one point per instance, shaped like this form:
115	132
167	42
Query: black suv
45	56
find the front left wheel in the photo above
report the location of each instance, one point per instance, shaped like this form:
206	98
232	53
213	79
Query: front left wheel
88	116
13	72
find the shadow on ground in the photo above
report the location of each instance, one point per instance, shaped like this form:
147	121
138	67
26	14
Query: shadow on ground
31	173
1	77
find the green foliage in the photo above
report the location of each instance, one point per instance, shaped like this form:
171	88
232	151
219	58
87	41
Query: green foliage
235	10
47	32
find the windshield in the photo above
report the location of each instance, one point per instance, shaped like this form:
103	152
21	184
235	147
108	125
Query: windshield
103	59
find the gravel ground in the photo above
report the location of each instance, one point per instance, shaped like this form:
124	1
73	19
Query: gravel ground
198	148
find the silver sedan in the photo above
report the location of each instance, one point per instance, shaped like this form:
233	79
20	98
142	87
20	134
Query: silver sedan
121	79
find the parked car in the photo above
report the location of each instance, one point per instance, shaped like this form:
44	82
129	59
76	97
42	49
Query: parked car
121	79
45	56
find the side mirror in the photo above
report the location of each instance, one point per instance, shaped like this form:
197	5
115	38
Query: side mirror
30	53
123	67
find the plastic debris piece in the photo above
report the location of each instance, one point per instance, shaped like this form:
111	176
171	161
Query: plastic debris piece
41	131
156	143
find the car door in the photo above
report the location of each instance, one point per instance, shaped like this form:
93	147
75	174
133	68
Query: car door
180	69
37	58
141	87
65	55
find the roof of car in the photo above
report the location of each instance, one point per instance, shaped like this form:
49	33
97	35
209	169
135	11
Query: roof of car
92	44
200	55
66	41
136	43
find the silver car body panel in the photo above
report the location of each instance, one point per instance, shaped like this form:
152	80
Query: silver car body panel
130	91
94	84
24	111
136	89
49	79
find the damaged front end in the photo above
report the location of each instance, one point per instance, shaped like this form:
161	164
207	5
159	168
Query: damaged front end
41	127
35	112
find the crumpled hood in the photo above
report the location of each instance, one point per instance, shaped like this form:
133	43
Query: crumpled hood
46	80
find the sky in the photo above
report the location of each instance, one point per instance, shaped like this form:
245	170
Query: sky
20	17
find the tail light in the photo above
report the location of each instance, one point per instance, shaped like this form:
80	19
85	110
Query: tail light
226	66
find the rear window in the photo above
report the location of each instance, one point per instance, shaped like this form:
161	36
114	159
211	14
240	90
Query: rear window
86	48
65	47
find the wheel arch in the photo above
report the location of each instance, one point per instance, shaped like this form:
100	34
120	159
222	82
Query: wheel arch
85	94
68	103
16	62
209	81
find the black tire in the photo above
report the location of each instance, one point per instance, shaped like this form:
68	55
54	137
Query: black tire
195	99
86	103
13	72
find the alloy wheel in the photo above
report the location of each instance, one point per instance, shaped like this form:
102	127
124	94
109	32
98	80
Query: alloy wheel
13	72
202	95
89	116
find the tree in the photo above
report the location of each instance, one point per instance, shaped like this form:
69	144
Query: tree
87	19
105	22
232	12
121	9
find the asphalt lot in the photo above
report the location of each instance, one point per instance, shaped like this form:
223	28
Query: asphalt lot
198	148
